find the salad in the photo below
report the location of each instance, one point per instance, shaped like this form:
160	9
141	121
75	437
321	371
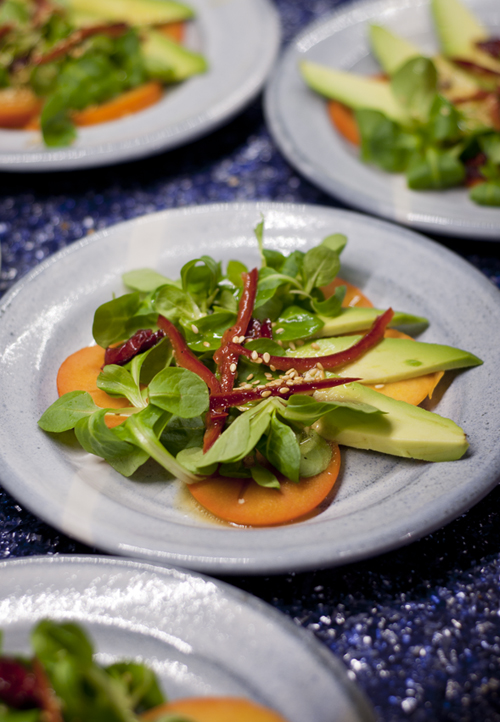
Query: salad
63	682
242	383
436	119
69	63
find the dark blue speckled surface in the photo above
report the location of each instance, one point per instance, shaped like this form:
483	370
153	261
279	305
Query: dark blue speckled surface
419	628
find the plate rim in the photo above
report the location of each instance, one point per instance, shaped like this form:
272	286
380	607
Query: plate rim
315	649
241	564
387	209
110	152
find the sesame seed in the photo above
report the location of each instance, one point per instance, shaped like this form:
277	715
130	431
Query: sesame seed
268	375
236	339
267	357
292	345
206	344
280	343
194	328
315	346
260	387
379	386
258	360
320	366
290	382
233	368
265	394
284	390
250	376
241	339
299	342
241	500
257	381
280	330
254	356
273	368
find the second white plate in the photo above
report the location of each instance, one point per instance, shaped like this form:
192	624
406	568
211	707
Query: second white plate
201	637
239	38
299	122
381	501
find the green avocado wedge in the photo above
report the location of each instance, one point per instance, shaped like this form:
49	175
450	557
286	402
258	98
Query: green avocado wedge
167	61
459	30
393	359
401	430
393	51
133	12
357	318
356	91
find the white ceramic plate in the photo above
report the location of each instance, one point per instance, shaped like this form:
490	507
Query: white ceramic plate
381	501
298	119
200	636
239	38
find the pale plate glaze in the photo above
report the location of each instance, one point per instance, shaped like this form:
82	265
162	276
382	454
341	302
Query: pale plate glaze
298	119
200	636
382	502
239	38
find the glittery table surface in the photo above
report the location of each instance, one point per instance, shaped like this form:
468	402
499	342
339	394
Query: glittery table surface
419	628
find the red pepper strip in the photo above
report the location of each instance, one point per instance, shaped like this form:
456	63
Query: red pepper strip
331	361
491	46
185	357
478	95
141	341
245	311
241	396
76	38
5	29
225	360
223	357
474	67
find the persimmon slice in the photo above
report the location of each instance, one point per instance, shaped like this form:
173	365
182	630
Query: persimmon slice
413	391
243	501
353	296
215	709
174	31
124	104
79	372
344	121
17	107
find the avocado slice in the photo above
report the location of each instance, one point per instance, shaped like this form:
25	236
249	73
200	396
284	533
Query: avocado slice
401	430
393	359
459	30
356	318
133	12
393	51
355	91
168	61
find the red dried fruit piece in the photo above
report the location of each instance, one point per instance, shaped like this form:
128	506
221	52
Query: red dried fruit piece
141	341
18	685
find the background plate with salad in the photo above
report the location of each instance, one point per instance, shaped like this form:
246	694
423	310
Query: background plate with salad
299	121
239	40
381	502
199	636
